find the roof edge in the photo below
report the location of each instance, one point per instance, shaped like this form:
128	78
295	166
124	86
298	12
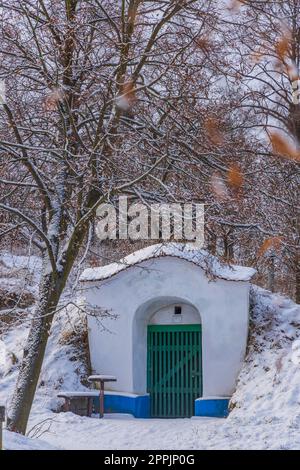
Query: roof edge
205	260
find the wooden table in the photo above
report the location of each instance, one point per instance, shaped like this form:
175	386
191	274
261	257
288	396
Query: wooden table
101	379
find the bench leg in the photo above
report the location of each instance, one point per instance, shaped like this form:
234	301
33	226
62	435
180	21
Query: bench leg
101	400
90	406
67	404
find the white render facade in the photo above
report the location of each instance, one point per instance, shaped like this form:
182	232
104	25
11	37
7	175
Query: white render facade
144	289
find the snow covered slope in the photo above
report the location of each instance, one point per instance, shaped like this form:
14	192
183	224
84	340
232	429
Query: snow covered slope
268	388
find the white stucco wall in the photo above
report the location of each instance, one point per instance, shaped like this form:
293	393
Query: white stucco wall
146	294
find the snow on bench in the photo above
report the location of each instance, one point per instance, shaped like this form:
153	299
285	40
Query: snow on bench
93	393
102	378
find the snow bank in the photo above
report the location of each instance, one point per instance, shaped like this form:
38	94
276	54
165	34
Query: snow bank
64	365
178	250
15	441
20	271
268	388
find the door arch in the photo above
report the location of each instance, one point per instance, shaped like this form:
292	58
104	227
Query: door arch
160	312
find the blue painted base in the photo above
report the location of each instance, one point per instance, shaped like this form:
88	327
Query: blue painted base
212	407
138	405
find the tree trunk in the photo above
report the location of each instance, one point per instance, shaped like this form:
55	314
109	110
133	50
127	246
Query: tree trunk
212	243
271	273
228	247
33	355
51	287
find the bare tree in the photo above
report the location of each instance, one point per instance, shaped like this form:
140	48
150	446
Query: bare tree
263	68
87	117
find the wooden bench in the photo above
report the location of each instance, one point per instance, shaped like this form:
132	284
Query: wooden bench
80	403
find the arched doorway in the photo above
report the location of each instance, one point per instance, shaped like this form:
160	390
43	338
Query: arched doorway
171	346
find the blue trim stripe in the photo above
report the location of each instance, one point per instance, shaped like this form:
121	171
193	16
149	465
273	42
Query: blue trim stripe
212	407
138	406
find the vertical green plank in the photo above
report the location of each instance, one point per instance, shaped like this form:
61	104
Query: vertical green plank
200	361
188	376
180	371
181	374
159	336
174	384
191	368
149	365
156	371
167	372
168	375
186	380
150	368
197	391
152	397
178	376
163	373
154	366
158	374
154	339
196	366
173	374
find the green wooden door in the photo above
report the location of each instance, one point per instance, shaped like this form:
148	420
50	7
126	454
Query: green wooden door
174	375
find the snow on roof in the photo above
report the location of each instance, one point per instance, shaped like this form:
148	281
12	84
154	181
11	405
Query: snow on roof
202	258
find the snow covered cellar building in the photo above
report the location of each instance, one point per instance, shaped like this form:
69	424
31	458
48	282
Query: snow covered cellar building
175	334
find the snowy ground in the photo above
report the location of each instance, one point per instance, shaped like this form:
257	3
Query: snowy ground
265	407
117	432
15	441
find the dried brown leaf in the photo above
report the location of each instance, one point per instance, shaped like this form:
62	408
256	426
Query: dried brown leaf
235	177
127	96
282	147
212	127
282	46
272	242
